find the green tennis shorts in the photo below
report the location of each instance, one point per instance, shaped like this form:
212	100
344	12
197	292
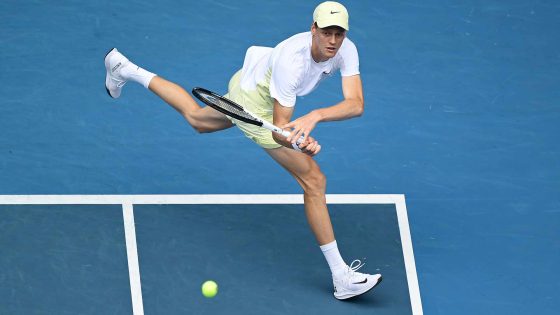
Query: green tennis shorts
258	102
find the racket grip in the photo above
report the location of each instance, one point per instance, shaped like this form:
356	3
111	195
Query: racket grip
299	141
286	134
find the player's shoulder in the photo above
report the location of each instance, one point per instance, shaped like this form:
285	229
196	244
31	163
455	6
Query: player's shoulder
347	51
294	49
295	43
348	44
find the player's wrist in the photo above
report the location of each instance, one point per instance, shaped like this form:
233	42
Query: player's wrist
317	115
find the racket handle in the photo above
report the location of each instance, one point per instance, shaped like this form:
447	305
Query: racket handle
286	134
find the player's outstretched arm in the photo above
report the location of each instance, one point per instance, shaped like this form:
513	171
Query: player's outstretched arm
351	106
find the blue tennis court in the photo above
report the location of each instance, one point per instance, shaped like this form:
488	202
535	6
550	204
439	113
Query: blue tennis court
462	113
155	251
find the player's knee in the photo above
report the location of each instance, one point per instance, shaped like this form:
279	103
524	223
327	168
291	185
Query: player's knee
196	122
200	128
205	126
315	182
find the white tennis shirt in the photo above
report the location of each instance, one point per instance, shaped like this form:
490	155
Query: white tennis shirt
290	69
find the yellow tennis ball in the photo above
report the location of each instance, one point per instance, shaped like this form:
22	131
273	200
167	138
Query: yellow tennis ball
209	289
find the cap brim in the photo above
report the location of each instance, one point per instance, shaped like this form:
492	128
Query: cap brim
332	22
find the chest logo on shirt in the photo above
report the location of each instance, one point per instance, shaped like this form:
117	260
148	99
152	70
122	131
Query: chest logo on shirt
325	75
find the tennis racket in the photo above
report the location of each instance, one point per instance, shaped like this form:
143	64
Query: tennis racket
234	110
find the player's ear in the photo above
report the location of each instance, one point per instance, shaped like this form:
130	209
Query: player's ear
314	27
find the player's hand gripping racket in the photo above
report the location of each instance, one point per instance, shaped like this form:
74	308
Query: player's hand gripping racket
237	111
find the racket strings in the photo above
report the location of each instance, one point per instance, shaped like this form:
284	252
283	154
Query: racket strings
234	109
226	106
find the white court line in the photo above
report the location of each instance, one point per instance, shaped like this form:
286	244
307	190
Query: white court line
132	255
128	200
188	199
408	254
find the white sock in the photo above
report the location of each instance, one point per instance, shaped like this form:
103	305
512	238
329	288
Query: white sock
332	255
134	73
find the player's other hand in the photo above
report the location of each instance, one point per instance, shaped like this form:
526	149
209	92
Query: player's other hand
310	147
302	126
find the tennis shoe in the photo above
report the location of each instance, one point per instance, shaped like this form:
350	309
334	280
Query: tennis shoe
114	81
351	283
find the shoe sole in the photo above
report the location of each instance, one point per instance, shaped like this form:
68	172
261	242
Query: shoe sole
107	54
366	291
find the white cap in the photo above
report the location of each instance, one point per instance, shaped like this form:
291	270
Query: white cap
330	13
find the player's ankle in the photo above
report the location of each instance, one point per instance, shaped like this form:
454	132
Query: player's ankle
137	74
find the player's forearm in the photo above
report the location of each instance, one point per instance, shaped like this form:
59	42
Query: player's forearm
346	109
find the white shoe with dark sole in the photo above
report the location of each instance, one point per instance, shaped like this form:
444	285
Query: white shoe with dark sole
114	63
352	283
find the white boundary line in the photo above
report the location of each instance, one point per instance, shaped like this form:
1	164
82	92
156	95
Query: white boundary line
128	200
408	254
132	255
188	199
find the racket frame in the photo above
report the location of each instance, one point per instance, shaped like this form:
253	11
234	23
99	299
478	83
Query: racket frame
257	121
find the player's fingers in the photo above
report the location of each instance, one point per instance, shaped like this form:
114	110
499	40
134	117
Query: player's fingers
298	134
305	136
292	126
310	147
294	134
317	148
289	137
313	151
289	125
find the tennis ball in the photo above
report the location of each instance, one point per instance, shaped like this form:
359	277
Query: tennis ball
209	289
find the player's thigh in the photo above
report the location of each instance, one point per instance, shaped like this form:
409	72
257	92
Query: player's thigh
301	165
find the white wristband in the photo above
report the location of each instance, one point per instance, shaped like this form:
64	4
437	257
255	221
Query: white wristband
296	147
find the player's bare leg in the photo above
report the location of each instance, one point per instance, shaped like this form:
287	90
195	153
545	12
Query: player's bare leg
308	174
120	70
203	119
346	280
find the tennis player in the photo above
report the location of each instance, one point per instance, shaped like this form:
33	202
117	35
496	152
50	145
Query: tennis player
267	85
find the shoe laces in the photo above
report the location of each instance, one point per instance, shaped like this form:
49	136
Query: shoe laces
350	272
353	268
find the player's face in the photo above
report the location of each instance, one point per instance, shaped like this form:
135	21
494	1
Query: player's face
326	42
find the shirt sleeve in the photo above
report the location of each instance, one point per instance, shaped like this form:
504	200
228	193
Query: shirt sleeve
285	77
349	61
